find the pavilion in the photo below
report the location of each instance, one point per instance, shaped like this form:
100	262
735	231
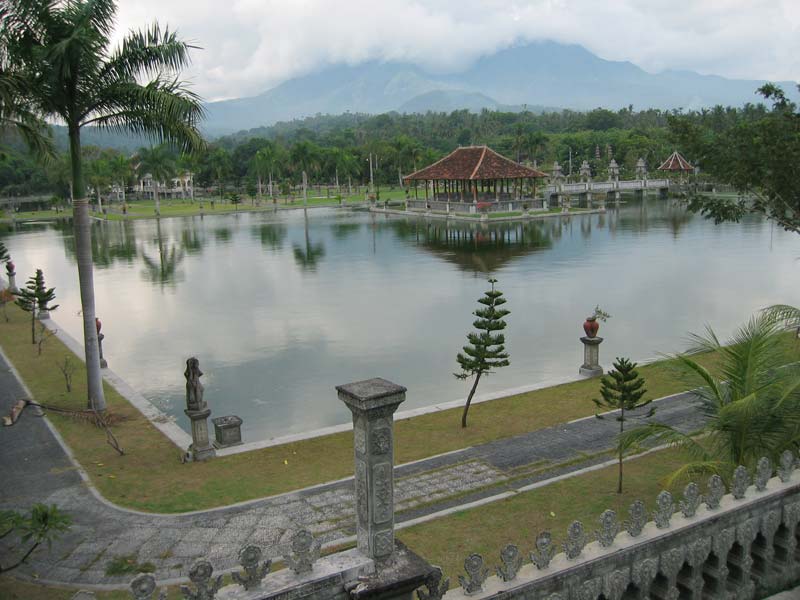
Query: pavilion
676	164
475	174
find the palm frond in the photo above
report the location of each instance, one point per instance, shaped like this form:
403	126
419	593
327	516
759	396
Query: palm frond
148	52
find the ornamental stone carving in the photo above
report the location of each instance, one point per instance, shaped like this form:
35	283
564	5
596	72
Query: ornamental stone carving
716	490
741	481
545	550
576	540
697	551
791	515
205	588
249	558
588	590
383	542
746	532
476	574
381	440
691	500
615	584
722	541
637	518
609	528
305	551
769	525
763	473
382	486
144	586
786	467
436	588
664	509
671	562
511	558
643	572
361	492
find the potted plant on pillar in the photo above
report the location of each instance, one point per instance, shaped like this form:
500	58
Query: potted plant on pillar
592	323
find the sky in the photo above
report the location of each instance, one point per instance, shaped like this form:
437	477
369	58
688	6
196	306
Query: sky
249	46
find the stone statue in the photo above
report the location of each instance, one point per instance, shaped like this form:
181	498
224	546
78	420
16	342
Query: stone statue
194	389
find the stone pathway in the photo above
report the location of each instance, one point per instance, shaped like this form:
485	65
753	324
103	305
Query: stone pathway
35	468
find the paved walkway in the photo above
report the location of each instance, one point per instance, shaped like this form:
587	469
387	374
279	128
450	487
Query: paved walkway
35	468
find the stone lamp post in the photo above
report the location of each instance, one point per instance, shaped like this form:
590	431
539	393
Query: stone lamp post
373	402
198	412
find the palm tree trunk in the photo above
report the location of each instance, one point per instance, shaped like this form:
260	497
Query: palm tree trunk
83	252
469	400
260	185
271	194
155	197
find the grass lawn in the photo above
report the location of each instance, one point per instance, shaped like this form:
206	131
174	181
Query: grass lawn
150	476
518	520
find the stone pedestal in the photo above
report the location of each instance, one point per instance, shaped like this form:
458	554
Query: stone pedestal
43	315
373	402
103	361
227	431
591	357
12	283
201	448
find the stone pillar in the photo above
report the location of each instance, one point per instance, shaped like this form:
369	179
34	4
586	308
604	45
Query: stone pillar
12	277
591	357
198	412
373	402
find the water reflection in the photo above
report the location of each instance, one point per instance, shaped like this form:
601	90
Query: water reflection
281	307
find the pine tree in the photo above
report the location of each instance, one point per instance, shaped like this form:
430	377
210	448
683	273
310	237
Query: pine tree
486	350
34	298
622	389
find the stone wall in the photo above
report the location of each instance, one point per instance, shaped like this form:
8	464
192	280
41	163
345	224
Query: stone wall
728	546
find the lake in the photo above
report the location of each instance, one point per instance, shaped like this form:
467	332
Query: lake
281	307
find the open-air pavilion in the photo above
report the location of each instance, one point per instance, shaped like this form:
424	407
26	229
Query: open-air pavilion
475	174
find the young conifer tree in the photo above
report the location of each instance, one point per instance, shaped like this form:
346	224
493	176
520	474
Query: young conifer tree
35	298
486	350
622	389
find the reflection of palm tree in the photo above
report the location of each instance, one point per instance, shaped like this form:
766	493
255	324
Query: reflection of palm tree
271	235
165	270
309	256
191	241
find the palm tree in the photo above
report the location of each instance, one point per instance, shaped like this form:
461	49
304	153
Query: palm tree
262	165
220	162
159	163
121	170
70	73
752	407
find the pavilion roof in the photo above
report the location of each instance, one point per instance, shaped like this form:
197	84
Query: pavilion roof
475	163
676	162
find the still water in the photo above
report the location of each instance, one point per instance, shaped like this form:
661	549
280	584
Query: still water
280	308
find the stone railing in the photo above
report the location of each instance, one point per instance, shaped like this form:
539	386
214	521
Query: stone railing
522	204
727	546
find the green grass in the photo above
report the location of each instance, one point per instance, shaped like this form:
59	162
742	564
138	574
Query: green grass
150	476
447	541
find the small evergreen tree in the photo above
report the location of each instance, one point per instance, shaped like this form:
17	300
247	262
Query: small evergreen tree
4	257
622	389
486	350
35	298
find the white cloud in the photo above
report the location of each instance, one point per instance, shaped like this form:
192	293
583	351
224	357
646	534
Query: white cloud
252	45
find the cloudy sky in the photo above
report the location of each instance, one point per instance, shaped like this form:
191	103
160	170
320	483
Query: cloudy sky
252	45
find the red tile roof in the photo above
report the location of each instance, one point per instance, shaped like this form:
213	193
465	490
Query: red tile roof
475	163
676	162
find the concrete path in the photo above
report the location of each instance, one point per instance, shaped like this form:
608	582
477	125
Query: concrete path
36	468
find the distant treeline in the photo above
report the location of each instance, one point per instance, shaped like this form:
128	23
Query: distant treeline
328	148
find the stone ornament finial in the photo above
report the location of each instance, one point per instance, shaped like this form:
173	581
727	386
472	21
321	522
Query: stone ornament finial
763	473
545	550
476	574
786	467
664	509
205	587
691	500
511	558
576	540
435	586
716	490
637	518
143	587
609	528
741	481
305	551
249	558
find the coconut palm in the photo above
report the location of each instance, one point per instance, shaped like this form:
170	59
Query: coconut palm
70	73
159	163
752	406
262	165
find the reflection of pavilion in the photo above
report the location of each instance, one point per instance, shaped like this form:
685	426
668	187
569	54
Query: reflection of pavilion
479	247
476	174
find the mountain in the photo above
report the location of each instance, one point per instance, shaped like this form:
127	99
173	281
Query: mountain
535	74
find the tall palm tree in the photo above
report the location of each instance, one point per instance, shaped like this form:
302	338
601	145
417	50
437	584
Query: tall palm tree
752	405
220	162
159	163
262	165
70	73
121	170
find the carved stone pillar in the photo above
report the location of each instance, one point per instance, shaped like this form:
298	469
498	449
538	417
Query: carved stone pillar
373	402
591	357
